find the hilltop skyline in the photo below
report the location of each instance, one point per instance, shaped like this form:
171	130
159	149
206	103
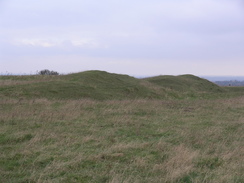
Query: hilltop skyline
200	37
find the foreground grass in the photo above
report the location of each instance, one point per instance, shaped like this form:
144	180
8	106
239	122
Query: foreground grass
122	141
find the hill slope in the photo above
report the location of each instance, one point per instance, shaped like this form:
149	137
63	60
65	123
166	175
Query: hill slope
90	84
185	83
101	85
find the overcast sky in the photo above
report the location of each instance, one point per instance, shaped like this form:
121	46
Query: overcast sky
135	37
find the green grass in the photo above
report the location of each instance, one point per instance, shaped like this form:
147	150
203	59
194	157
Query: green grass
91	84
185	83
144	138
101	85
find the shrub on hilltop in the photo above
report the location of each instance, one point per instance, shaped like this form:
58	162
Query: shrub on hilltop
47	72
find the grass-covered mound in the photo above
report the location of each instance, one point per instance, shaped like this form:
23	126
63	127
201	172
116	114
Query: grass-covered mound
100	85
90	84
185	83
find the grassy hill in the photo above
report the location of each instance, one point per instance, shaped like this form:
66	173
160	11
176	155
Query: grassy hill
90	84
185	83
141	136
101	85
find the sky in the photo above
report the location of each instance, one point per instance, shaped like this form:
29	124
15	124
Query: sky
134	37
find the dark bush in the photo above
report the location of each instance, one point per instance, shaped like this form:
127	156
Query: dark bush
47	72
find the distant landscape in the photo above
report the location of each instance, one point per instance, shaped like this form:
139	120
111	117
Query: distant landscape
96	126
230	83
226	80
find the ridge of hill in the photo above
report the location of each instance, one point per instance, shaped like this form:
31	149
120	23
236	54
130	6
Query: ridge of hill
185	83
101	85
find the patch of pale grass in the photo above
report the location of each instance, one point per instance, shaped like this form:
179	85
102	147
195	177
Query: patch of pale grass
126	146
23	80
121	179
88	138
14	82
180	162
120	150
141	162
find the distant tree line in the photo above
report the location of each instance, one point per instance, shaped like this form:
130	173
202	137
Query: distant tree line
47	72
230	83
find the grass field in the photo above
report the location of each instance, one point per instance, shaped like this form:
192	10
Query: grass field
149	138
